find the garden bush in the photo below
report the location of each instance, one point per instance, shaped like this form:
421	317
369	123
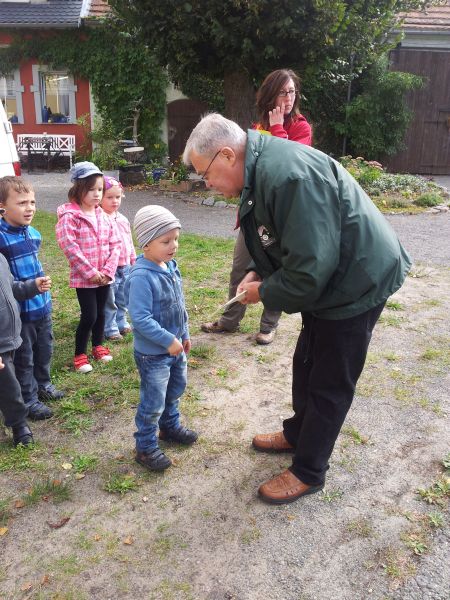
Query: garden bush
428	199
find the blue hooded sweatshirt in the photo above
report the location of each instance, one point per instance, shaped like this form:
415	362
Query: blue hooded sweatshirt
156	306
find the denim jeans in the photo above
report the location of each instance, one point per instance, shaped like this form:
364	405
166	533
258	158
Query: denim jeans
163	380
115	307
32	359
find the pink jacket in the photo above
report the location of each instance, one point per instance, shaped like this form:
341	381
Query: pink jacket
127	252
87	250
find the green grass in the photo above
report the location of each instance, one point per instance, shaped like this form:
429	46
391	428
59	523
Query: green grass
118	483
49	489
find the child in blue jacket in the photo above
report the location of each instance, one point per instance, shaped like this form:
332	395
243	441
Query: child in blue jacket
161	335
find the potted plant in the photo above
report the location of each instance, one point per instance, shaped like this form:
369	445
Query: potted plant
177	178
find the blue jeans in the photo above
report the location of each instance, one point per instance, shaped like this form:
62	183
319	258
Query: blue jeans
163	380
32	359
115	307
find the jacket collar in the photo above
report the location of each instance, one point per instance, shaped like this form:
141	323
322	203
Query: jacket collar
12	229
255	145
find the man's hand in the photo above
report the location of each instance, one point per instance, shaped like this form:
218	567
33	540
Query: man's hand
175	348
43	284
252	292
187	345
2	365
250	284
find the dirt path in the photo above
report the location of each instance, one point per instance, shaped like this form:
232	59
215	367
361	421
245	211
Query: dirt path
199	532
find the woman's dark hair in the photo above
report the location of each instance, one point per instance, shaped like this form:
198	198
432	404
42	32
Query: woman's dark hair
268	93
81	187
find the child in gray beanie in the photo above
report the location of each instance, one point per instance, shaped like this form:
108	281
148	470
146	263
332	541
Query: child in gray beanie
161	335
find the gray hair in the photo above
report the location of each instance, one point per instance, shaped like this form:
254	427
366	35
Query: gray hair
212	133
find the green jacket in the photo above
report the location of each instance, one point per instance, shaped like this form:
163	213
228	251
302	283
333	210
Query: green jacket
316	238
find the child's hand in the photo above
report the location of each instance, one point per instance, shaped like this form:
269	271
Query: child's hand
105	279
175	348
43	284
187	345
2	366
96	279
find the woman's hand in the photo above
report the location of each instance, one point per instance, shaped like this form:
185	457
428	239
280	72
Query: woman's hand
276	116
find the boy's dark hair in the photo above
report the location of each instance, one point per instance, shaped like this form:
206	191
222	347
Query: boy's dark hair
269	90
81	187
15	184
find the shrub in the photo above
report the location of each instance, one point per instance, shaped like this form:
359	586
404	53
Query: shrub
428	199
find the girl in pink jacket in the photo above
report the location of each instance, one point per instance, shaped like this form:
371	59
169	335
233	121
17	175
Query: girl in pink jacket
91	244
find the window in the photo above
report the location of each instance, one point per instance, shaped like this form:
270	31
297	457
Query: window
11	96
54	95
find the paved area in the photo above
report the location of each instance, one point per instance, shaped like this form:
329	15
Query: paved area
421	234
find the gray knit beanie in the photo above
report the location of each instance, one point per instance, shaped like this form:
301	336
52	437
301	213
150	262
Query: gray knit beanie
152	221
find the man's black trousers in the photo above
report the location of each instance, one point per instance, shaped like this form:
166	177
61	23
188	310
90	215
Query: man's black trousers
328	361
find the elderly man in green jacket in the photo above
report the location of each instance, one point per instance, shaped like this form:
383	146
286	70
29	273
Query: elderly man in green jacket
320	247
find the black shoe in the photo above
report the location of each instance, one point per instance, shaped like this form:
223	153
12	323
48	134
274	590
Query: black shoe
50	393
22	435
181	434
155	460
39	412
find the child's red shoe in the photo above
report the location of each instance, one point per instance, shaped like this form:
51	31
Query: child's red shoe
81	364
101	353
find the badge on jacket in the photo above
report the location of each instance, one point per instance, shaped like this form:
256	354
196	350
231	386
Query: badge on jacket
266	238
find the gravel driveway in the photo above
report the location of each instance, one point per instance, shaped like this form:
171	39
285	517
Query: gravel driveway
426	236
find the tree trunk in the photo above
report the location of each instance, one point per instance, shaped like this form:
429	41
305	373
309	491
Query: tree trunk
239	99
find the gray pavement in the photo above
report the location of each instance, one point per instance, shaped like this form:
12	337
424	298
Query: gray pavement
426	236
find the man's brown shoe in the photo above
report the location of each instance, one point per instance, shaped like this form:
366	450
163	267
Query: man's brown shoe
286	488
216	327
272	442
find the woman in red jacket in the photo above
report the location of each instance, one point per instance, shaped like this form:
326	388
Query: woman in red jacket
277	102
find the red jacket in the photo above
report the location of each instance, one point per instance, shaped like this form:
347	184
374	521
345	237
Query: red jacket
296	129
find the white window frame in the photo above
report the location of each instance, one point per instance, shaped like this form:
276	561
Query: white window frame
19	89
36	90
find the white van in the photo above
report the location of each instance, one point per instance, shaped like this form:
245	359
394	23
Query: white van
9	159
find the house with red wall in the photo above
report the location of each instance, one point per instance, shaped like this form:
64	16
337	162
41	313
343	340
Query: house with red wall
39	99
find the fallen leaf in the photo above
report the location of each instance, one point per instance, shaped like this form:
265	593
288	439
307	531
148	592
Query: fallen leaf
175	462
291	517
58	524
3	530
57	482
26	587
45	580
145	499
128	540
97	537
67	466
19	504
80	475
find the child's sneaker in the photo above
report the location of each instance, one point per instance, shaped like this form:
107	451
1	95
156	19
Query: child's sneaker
81	363
101	353
155	460
180	434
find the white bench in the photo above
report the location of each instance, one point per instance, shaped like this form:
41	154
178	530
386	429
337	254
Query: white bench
49	145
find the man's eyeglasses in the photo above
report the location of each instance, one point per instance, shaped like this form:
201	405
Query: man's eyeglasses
285	93
205	173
